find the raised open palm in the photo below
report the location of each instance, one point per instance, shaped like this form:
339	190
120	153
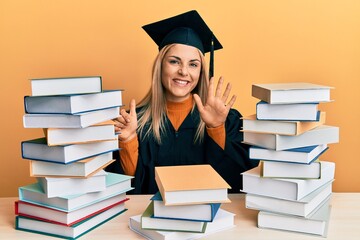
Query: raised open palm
215	109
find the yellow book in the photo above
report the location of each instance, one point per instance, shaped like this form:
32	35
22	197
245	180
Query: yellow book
191	184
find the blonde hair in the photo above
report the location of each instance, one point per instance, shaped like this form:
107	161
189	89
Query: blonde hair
152	115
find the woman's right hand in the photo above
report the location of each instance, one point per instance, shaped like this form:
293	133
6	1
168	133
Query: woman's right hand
126	123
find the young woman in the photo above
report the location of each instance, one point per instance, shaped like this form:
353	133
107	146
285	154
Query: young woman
183	119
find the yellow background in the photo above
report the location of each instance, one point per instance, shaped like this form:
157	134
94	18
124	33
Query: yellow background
264	42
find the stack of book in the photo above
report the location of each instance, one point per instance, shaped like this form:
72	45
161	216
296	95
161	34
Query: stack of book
291	187
187	205
73	194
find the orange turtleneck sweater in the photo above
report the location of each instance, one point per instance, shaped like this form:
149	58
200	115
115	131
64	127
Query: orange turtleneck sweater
176	112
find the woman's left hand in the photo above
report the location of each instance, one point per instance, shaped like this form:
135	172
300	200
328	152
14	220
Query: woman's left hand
215	110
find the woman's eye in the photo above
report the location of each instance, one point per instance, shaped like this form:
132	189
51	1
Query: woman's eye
194	65
174	61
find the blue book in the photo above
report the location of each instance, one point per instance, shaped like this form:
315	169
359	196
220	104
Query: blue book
304	155
37	149
197	212
115	184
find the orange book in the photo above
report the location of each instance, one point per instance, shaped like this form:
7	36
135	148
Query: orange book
191	184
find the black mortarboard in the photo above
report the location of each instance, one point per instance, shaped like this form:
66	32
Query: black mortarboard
187	28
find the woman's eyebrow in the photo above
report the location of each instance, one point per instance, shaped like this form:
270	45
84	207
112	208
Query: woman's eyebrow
192	60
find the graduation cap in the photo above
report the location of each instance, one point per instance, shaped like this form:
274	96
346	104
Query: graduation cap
187	28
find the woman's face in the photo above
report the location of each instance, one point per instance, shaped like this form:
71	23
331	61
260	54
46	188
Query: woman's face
181	68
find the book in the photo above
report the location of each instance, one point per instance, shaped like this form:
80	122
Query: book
115	184
162	224
288	189
323	134
65	85
63	136
223	220
295	92
303	155
303	207
316	224
72	104
292	112
79	120
275	169
55	187
46	214
187	184
251	124
197	212
37	149
82	168
70	232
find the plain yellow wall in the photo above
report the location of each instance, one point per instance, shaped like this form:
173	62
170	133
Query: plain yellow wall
264	41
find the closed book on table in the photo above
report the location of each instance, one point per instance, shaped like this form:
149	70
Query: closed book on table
163	224
37	149
295	92
315	224
287	112
191	184
65	85
78	120
71	104
69	232
251	124
323	134
82	168
303	155
283	188
195	212
55	187
302	207
46	214
222	221
275	169
64	136
115	185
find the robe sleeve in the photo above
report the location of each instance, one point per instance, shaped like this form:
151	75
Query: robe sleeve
231	161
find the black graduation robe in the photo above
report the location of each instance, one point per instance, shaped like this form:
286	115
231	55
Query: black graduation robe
178	148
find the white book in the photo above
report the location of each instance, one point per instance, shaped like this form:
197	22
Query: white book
56	187
80	120
37	149
323	134
303	155
195	212
62	136
294	92
293	112
303	207
66	85
67	218
166	224
71	104
82	168
63	231
316	224
251	124
274	169
222	221
283	188
115	185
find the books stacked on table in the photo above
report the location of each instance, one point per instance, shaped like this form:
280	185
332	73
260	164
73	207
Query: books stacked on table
187	205
72	194
291	187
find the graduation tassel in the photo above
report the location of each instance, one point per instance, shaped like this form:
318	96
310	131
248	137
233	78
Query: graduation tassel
211	67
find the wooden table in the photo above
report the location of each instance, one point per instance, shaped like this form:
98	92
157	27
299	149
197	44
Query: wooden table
344	221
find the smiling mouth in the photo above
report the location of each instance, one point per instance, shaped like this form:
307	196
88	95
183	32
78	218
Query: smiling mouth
181	82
